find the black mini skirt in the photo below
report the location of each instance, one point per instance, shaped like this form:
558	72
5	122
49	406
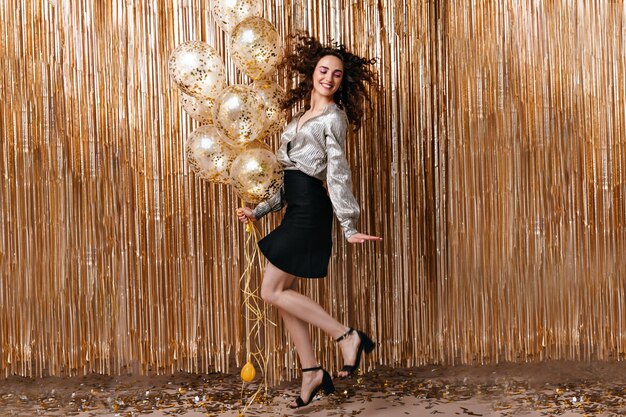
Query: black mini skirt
302	243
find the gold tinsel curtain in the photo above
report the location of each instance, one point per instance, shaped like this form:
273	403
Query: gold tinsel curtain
493	162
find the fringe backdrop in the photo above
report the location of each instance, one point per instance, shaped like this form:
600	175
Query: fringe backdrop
492	162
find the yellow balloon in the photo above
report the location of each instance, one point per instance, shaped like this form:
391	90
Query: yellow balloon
248	372
227	13
199	109
239	114
208	156
197	69
271	95
256	175
256	47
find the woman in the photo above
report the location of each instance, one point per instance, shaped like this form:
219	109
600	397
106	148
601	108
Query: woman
312	151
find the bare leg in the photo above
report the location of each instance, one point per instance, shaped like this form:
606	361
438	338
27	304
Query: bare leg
274	291
299	332
297	312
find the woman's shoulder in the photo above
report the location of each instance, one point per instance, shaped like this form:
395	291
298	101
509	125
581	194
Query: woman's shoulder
337	113
294	118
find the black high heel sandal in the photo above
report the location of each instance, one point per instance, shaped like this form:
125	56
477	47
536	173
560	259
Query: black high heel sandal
326	385
365	344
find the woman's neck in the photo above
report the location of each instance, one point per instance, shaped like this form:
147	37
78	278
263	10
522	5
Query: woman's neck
319	102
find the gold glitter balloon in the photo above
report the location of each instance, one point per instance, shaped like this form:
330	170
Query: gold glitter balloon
239	114
256	175
256	47
208	155
271	95
197	69
257	144
198	108
228	13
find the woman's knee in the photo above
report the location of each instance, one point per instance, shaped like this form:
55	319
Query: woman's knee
274	283
268	294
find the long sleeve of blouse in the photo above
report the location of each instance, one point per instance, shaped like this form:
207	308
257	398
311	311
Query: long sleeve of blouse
338	175
274	203
318	150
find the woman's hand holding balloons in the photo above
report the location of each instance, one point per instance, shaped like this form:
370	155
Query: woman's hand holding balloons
244	214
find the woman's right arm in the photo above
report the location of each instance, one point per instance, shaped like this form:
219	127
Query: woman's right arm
274	203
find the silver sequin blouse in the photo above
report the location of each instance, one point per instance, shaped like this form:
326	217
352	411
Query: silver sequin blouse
317	149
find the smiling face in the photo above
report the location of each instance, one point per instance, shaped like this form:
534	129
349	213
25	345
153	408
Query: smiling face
327	76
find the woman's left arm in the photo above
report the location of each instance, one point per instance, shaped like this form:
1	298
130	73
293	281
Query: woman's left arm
339	180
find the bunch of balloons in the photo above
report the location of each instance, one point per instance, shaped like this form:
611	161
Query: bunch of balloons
228	147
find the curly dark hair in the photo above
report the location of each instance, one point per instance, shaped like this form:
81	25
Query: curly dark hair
357	76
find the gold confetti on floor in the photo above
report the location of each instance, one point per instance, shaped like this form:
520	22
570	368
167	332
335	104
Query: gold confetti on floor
548	388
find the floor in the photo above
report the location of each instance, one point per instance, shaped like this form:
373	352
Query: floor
537	389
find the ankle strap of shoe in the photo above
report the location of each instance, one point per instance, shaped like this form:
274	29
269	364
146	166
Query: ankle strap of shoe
317	368
343	336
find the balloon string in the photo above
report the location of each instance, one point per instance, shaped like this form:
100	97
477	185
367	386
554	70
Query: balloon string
247	294
255	316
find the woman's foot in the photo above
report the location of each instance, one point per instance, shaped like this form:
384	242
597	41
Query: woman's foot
313	379
353	343
349	348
